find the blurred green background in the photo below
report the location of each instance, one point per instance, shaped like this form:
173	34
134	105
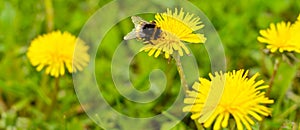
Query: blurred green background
25	94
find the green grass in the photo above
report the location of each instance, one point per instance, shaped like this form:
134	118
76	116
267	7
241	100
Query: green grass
25	94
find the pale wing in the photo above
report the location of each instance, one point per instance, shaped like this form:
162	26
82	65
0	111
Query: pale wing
137	21
130	35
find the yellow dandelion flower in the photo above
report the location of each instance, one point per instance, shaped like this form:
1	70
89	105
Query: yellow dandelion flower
296	25
295	40
241	99
278	37
55	50
282	36
176	27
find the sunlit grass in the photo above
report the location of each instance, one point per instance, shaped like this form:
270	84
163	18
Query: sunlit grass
26	94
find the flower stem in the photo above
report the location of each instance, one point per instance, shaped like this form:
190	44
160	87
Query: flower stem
271	82
199	127
231	124
183	81
53	98
49	14
180	71
276	66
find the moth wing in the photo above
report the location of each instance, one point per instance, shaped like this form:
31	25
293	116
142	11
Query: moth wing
137	21
130	35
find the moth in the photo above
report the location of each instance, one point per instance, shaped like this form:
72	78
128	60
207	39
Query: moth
143	30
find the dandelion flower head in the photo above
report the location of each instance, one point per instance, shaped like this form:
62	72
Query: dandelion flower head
295	38
241	100
176	27
282	36
54	51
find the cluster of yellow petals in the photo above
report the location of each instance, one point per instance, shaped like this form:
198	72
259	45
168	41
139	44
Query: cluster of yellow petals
176	27
241	99
282	36
55	51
